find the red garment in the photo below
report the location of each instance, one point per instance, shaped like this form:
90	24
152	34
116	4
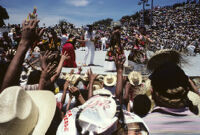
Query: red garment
69	48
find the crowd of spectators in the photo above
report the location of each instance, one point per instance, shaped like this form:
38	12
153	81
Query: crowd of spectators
87	103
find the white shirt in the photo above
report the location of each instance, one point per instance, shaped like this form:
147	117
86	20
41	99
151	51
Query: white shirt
104	40
88	37
11	36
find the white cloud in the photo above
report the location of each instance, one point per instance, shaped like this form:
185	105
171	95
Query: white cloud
78	3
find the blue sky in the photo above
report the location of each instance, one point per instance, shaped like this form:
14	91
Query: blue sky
78	12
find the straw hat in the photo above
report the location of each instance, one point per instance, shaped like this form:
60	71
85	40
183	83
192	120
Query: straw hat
102	91
97	85
100	77
73	78
84	77
25	112
135	78
110	80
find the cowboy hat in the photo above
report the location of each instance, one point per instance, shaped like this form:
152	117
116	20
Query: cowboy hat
102	91
25	112
110	80
72	78
97	85
104	120
100	77
135	78
195	98
84	77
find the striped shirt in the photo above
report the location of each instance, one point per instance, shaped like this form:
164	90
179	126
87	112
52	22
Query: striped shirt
166	121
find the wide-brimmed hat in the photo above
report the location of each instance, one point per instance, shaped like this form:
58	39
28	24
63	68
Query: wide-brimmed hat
84	77
104	120
195	100
72	78
97	85
82	119
135	78
100	77
110	80
25	112
102	91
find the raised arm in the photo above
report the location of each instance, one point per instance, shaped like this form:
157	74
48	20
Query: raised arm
30	33
75	92
193	86
126	94
119	61
66	85
60	65
92	77
47	73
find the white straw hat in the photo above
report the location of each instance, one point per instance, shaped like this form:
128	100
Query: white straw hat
25	112
72	78
97	85
135	77
110	80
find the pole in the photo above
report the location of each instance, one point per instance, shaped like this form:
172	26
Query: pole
143	13
151	12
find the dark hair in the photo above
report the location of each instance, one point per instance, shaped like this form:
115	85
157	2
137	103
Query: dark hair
71	36
34	77
115	39
141	105
169	82
168	76
64	31
142	28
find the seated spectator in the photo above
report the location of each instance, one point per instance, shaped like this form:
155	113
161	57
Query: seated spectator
110	82
173	110
135	97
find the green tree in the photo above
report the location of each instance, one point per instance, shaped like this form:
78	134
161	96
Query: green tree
3	15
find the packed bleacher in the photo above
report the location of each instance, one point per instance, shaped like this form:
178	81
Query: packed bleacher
37	98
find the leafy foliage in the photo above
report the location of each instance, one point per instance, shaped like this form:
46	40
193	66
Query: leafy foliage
3	15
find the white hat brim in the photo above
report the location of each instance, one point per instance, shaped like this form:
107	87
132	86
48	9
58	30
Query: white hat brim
110	84
46	103
130	78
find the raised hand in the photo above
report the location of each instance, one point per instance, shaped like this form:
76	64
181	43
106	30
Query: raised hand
79	70
44	58
48	72
65	56
74	91
119	61
45	78
91	76
66	85
30	32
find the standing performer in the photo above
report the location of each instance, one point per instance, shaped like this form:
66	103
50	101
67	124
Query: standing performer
89	44
137	58
69	49
115	48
